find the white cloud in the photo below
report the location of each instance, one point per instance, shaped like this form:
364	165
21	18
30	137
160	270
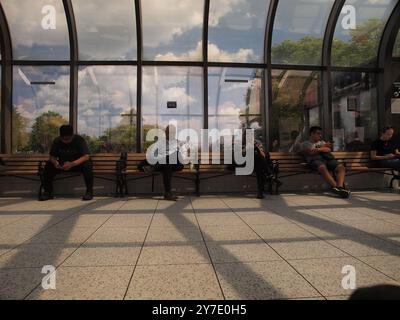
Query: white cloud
214	54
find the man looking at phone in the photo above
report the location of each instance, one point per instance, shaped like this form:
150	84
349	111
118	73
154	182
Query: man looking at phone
385	152
69	153
319	157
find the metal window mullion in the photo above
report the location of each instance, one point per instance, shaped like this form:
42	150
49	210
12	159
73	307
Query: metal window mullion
6	85
268	98
139	74
326	77
74	68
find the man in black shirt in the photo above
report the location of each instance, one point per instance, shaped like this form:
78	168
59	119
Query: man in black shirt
69	153
385	152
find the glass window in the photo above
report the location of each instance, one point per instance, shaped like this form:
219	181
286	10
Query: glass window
296	107
38	29
107	108
354	104
106	29
236	99
237	30
359	31
40	107
299	30
172	30
396	51
172	95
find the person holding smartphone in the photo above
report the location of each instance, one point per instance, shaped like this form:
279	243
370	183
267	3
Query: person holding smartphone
69	153
384	151
319	157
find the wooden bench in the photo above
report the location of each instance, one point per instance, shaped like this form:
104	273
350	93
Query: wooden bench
355	162
130	172
31	167
216	168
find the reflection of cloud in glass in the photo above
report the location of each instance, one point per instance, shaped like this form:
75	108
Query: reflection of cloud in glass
105	94
32	100
106	34
30	40
172	26
237	30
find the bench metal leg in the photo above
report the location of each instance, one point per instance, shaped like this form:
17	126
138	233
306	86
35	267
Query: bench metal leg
197	182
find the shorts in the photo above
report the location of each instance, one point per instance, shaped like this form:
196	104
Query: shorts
330	164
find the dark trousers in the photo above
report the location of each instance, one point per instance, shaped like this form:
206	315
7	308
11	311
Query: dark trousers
50	171
262	170
167	170
394	164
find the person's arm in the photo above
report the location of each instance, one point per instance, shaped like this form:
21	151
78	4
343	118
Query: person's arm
54	156
375	157
84	150
314	151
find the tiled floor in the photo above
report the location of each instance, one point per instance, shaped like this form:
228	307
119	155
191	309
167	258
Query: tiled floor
215	247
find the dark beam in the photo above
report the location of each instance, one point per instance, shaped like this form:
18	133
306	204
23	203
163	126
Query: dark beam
326	77
385	53
74	57
6	84
139	36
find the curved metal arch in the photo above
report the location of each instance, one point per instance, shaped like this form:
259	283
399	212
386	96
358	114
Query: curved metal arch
268	94
326	77
74	57
6	83
388	38
330	32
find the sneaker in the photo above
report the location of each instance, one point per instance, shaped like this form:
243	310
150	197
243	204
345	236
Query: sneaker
340	192
46	196
88	196
345	190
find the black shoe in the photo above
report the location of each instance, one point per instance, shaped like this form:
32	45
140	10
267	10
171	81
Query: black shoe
348	192
88	196
170	197
46	196
260	196
340	192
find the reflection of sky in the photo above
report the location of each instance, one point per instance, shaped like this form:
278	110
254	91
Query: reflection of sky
365	10
30	40
33	100
297	19
227	99
108	34
175	84
105	93
236	25
172	29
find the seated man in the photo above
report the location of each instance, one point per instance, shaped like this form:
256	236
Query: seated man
170	154
318	155
69	153
385	152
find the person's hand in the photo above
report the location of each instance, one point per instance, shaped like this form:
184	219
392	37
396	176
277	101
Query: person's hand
68	166
325	150
328	145
390	156
57	165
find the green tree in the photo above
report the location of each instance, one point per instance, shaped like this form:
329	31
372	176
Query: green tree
44	130
19	133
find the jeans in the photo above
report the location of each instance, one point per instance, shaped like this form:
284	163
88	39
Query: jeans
393	163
